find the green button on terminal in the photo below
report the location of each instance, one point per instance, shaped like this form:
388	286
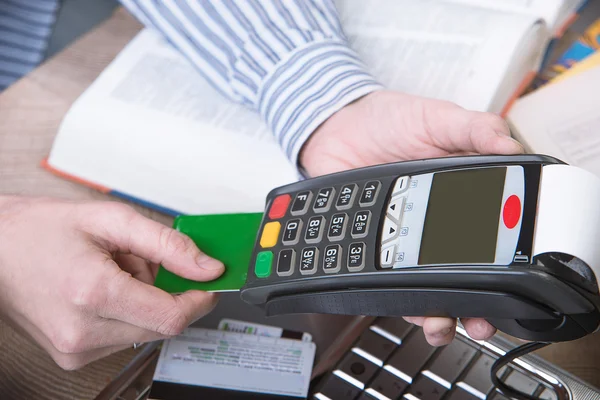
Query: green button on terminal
264	260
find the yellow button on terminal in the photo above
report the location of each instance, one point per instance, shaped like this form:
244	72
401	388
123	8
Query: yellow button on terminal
270	234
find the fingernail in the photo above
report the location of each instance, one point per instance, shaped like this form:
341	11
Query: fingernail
206	262
442	333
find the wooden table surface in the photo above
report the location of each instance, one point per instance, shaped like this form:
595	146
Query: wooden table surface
30	114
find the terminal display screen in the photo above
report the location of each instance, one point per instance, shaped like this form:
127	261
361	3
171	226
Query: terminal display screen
462	218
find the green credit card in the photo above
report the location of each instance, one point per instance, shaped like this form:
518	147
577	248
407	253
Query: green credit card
229	238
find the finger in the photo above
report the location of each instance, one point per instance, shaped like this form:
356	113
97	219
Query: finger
478	329
456	130
134	302
139	268
114	333
439	331
125	230
76	361
489	134
415	320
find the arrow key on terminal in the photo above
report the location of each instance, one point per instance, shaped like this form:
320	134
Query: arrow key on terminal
396	207
390	230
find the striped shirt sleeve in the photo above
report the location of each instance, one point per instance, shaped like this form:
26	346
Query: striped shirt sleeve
25	28
286	59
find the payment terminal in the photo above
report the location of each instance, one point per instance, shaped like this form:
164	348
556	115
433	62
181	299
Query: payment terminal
512	239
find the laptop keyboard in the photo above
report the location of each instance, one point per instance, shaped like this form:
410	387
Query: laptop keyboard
392	360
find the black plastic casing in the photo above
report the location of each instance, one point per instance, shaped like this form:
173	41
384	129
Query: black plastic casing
542	300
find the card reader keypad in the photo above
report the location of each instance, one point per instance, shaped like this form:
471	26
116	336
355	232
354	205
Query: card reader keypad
322	230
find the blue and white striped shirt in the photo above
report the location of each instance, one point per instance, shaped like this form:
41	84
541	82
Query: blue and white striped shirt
288	60
25	28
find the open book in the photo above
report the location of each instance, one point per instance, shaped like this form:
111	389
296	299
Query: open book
562	120
481	54
152	130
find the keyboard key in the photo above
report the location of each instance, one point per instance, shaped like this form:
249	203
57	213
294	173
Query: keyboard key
387	256
389	231
262	267
279	206
521	382
308	260
336	388
398	328
291	233
401	185
388	385
331	259
412	355
324	199
548	394
359	369
360	226
478	376
427	389
356	257
346	197
396	207
337	227
270	234
366	396
460	394
285	262
376	345
314	230
497	396
369	193
301	203
450	362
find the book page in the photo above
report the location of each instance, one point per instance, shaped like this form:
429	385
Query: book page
554	12
153	128
437	49
562	120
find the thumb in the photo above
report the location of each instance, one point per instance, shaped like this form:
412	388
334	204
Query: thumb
125	230
483	133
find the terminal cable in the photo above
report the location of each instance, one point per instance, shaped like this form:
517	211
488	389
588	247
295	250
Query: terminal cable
515	353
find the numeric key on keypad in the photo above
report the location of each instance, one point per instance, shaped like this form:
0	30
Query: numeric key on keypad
346	197
308	260
334	387
369	193
285	262
331	259
291	233
314	229
410	357
387	384
356	369
301	203
427	389
360	225
324	199
451	361
478	375
356	257
337	227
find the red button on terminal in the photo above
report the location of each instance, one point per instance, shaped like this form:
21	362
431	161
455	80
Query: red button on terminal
512	212
279	206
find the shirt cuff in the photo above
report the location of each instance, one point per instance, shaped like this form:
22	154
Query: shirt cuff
308	86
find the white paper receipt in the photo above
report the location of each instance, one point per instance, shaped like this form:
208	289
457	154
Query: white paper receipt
251	328
238	362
